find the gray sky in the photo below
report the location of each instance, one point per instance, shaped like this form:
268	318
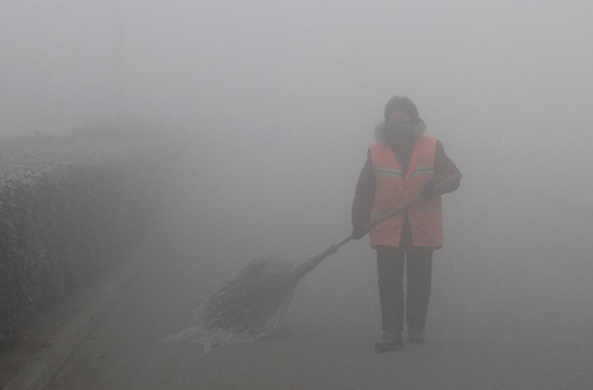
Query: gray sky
287	78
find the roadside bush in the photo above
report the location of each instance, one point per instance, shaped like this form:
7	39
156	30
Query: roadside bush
64	217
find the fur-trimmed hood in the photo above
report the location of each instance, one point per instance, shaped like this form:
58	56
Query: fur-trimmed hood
379	134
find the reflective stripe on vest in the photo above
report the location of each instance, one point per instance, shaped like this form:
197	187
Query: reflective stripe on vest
424	216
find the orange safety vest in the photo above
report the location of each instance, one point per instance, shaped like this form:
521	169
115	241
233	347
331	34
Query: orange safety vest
425	216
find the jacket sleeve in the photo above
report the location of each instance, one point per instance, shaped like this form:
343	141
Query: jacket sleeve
364	195
444	168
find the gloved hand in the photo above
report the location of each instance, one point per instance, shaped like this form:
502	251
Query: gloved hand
430	190
358	232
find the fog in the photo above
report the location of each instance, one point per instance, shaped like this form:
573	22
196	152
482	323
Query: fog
275	104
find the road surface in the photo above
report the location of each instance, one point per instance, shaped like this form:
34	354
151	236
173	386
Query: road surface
489	328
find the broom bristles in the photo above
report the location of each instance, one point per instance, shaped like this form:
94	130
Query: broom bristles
245	308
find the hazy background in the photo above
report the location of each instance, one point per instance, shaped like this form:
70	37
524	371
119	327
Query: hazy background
275	103
261	80
281	98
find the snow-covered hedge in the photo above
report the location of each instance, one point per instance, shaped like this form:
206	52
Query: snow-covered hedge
67	206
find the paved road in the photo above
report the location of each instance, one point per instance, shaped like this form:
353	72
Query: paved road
490	328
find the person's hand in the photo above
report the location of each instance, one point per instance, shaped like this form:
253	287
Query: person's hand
358	232
430	190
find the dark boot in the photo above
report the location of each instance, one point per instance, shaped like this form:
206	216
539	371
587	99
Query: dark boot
390	341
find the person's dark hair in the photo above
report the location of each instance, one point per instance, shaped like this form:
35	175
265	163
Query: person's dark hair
402	103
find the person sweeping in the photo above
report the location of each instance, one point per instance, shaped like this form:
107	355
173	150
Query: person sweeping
249	306
402	163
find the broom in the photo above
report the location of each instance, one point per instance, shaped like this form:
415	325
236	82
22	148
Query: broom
249	306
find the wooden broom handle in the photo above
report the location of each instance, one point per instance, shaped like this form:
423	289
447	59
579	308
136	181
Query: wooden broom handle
312	262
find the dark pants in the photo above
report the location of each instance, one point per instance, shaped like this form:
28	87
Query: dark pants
390	262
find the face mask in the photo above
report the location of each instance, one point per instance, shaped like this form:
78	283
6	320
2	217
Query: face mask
401	130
